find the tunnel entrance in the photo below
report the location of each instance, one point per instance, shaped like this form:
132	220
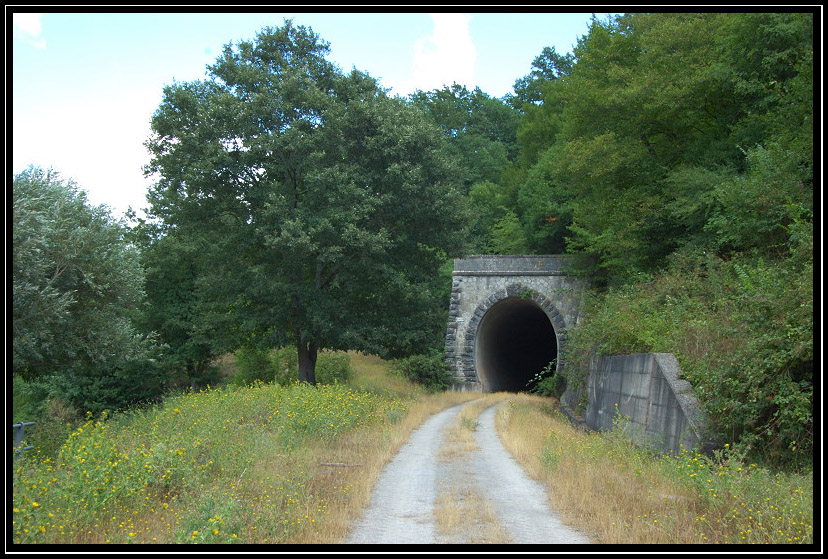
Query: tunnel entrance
515	341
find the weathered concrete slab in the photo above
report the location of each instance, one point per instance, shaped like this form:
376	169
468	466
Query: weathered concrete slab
658	407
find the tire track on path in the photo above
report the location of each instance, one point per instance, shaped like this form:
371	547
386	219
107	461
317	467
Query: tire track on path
402	503
404	497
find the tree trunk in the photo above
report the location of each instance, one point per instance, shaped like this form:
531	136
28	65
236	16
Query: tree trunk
307	361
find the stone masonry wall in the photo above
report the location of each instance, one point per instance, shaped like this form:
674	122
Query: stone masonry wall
479	282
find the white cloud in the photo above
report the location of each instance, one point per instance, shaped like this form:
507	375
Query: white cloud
446	56
97	143
28	28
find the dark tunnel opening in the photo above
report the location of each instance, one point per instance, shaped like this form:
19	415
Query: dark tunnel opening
515	341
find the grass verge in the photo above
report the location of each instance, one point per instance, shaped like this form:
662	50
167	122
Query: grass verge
618	493
257	464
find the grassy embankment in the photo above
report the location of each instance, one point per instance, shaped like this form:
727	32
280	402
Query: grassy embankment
618	494
264	464
296	465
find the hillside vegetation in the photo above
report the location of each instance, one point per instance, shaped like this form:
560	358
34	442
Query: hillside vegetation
271	464
261	463
672	155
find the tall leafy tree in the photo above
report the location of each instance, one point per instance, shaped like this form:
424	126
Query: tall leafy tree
509	222
642	145
481	129
548	66
175	310
536	96
481	132
77	286
321	207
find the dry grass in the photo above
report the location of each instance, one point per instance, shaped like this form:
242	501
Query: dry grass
464	515
613	501
459	435
372	373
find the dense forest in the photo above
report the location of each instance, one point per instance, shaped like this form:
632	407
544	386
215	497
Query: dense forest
298	205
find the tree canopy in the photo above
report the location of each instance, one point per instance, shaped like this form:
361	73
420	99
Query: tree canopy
321	206
481	130
77	286
482	134
645	142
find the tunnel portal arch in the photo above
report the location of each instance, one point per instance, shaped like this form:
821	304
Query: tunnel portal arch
515	340
508	318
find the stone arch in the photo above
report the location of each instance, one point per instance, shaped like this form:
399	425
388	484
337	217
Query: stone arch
517	296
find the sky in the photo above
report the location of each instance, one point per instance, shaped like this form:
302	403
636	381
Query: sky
85	85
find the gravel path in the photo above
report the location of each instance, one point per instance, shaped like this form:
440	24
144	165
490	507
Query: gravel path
403	500
403	503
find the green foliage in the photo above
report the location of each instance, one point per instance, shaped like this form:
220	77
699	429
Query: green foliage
176	306
282	366
667	131
77	289
742	331
507	236
481	130
97	389
546	68
319	207
755	209
24	403
481	134
545	206
494	222
253	365
53	416
426	369
333	368
285	364
536	95
673	156
548	382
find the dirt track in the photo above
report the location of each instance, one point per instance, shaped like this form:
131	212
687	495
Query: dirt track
477	494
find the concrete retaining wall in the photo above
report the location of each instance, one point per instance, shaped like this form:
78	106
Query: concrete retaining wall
661	408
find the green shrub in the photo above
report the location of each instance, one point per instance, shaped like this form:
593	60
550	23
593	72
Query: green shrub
54	417
428	370
548	382
24	403
285	362
332	368
253	365
77	285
